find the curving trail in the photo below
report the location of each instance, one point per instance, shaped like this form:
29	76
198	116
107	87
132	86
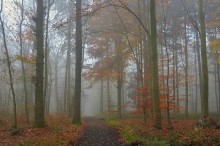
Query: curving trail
98	133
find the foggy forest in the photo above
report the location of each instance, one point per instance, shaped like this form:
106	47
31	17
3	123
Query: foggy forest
110	72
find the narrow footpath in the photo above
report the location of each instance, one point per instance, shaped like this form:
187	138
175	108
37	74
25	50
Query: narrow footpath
98	133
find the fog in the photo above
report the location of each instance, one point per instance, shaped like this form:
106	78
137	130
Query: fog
117	71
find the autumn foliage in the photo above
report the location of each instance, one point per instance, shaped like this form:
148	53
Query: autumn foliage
135	131
59	132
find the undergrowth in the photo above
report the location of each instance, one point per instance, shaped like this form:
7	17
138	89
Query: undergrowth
139	134
59	131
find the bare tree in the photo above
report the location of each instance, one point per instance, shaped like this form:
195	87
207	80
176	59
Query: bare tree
9	66
22	62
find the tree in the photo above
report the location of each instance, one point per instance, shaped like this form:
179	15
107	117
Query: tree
204	68
166	87
205	79
120	71
78	67
47	51
215	53
39	98
153	41
67	85
186	71
22	62
137	47
9	67
101	96
154	60
198	52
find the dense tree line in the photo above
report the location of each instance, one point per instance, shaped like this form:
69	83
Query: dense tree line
160	55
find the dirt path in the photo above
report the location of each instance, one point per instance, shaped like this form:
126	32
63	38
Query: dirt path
98	133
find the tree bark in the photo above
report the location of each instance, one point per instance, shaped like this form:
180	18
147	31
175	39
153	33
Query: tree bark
39	97
205	79
78	68
67	87
119	79
216	85
22	63
196	83
177	80
147	60
46	59
218	80
199	67
101	95
56	87
47	103
154	58
169	125
186	73
108	95
9	68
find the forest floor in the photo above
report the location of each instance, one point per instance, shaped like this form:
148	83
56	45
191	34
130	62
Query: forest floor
135	132
107	132
58	132
98	133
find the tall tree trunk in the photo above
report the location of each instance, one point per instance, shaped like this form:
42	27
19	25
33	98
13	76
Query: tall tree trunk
218	75
78	68
119	95
69	108
163	84
196	84
108	95
47	104
101	95
119	79
174	75
67	87
167	86
9	67
140	67
154	58
216	86
123	100
39	97
186	73
56	87
22	63
46	57
147	54
199	65
177	80
108	88
68	61
169	125
205	79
